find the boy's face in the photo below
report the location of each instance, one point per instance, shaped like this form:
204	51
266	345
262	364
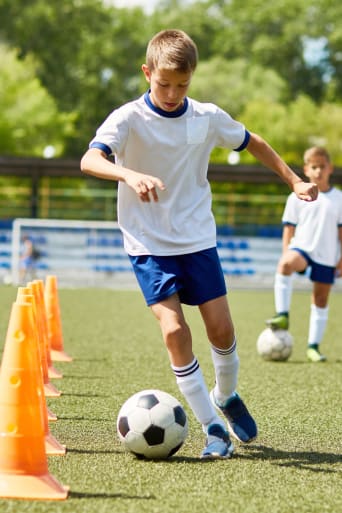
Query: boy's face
168	87
318	170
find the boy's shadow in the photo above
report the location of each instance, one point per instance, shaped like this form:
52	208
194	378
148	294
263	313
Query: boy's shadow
308	460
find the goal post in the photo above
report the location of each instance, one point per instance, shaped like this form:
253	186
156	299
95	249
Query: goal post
85	253
76	251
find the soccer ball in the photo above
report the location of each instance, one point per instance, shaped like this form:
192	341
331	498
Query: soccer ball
152	424
275	345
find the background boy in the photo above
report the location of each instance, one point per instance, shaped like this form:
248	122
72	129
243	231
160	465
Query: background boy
312	239
162	143
28	259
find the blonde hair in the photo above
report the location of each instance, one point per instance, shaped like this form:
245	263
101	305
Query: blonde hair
315	151
172	49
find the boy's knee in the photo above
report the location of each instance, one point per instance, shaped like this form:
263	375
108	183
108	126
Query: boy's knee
175	333
320	300
285	266
222	335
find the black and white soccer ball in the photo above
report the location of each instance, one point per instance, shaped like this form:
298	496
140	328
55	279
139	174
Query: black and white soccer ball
275	345
152	424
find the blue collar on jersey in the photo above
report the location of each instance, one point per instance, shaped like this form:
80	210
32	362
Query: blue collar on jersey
161	112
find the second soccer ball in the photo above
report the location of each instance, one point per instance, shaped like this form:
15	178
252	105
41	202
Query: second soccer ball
275	345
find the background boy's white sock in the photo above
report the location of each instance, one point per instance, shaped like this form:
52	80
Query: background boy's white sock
317	325
282	292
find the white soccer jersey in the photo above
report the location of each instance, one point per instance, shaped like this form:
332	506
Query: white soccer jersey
174	147
317	225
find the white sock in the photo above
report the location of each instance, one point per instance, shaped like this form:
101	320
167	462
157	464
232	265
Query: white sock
191	384
226	364
317	325
282	292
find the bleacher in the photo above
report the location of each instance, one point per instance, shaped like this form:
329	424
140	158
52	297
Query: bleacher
96	257
89	257
5	246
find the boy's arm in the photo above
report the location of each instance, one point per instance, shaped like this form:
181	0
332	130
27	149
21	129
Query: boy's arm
261	150
94	162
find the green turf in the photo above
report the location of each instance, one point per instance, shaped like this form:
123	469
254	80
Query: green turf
293	466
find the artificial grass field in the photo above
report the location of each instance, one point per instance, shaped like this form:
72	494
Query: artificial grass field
293	466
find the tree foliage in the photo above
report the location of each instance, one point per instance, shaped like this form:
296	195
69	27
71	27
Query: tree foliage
87	54
29	118
272	35
232	84
253	62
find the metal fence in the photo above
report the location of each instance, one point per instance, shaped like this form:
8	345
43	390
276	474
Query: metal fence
56	188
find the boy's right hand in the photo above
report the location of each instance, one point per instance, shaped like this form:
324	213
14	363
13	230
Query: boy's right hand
144	185
306	191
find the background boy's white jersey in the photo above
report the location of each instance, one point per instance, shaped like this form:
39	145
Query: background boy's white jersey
316	225
177	150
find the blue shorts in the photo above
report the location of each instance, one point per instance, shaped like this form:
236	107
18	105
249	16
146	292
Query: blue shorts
196	277
27	263
317	272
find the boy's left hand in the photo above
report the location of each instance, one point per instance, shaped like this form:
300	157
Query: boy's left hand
305	191
338	272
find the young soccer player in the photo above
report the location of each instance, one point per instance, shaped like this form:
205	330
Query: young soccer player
312	239
28	259
162	143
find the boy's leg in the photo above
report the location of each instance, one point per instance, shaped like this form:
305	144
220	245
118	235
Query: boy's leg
189	378
220	330
289	263
318	320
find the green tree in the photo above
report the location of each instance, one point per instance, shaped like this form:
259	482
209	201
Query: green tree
292	128
233	84
325	25
272	35
29	118
88	55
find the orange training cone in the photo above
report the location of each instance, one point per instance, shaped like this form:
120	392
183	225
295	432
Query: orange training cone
54	323
49	389
53	372
52	446
26	294
23	462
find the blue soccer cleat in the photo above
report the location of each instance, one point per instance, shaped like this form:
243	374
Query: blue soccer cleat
240	422
218	444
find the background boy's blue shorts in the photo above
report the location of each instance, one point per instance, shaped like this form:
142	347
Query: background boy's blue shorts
196	277
26	262
317	272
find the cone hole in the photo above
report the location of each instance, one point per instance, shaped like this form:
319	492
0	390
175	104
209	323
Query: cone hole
15	380
12	429
19	336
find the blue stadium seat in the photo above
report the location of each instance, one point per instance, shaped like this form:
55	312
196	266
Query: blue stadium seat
41	265
225	230
243	244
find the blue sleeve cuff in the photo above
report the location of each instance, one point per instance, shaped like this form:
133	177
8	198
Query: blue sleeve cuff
100	146
245	142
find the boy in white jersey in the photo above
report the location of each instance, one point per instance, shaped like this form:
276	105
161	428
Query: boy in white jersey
162	143
312	238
